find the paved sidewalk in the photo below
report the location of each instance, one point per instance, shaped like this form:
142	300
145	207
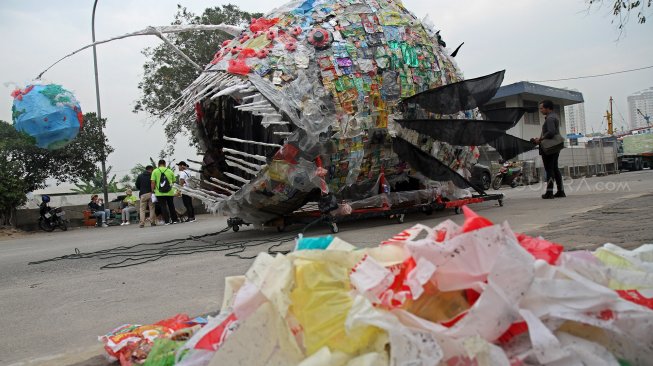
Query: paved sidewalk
628	224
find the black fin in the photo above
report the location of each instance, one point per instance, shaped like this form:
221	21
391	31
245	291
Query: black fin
460	96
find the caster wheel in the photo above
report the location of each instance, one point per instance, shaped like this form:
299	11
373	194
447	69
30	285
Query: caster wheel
500	203
235	228
400	218
456	210
334	228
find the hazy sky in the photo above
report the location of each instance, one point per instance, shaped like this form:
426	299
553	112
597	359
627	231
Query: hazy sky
533	40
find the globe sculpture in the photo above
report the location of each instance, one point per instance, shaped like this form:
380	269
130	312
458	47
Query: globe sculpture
49	113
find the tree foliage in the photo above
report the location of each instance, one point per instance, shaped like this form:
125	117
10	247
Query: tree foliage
622	9
166	74
25	167
94	185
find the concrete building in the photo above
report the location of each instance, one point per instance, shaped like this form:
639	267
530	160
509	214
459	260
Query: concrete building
575	116
525	94
580	157
642	100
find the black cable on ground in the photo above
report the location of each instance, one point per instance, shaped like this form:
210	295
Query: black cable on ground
141	253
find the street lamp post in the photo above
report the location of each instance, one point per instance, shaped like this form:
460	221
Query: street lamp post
99	110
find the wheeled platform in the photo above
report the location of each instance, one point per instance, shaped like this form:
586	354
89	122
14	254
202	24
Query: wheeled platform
393	213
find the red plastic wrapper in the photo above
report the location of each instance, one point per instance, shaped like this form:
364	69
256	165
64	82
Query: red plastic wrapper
287	153
179	321
540	248
262	24
131	343
246	53
238	67
474	221
636	297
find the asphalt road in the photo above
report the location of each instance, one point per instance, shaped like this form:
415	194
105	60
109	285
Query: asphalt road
53	312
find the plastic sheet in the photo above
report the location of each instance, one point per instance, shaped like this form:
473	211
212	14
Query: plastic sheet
321	302
463	95
475	294
540	248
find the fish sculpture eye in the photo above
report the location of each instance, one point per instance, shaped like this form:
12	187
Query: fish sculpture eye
320	38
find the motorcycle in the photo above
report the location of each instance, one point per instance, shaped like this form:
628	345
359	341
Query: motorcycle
509	173
53	218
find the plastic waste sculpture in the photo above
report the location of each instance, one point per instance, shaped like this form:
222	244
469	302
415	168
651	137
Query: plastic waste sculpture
335	101
49	113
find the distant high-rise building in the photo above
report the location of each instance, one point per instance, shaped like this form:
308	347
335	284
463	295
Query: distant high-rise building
575	117
642	100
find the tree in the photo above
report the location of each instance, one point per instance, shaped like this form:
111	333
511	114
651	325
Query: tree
166	74
129	180
94	185
621	9
25	167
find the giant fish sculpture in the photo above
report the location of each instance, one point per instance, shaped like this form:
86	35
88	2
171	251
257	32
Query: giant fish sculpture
344	101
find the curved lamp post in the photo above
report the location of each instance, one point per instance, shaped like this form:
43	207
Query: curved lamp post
99	110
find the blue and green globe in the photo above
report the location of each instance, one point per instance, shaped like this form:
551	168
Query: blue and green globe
49	113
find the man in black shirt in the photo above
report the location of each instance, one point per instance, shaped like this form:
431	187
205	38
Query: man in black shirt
550	129
145	193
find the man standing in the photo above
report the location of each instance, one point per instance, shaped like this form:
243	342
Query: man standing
161	182
184	178
551	132
145	193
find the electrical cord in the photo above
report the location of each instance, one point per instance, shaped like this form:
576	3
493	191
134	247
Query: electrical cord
594	76
137	254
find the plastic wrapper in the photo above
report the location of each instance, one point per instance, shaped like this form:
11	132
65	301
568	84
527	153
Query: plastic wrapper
163	353
321	302
475	294
540	248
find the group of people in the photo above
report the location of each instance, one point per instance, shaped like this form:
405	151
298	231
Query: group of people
155	192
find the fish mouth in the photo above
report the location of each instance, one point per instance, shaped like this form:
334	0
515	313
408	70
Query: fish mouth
238	128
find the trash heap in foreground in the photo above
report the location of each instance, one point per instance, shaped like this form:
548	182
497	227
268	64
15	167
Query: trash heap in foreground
476	294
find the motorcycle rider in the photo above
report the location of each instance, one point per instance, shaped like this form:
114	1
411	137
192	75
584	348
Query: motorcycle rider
44	207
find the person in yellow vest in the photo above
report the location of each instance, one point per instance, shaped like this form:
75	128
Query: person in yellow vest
129	204
161	182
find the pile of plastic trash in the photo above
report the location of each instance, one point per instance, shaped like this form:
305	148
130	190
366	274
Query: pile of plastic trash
476	294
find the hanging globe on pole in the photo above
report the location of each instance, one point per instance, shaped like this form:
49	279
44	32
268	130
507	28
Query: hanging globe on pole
49	113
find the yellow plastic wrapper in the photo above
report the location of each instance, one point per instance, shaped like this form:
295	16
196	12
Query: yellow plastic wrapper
321	302
630	270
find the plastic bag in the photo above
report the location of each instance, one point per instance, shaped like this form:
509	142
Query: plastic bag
474	221
541	248
179	321
162	353
321	243
321	302
262	339
238	67
130	343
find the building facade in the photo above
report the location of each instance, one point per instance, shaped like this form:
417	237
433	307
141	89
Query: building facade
525	94
642	101
575	118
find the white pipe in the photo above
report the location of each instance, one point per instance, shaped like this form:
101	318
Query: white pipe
238	166
237	152
250	142
247	163
225	183
235	177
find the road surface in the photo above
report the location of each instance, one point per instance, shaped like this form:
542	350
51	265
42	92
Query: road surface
54	311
